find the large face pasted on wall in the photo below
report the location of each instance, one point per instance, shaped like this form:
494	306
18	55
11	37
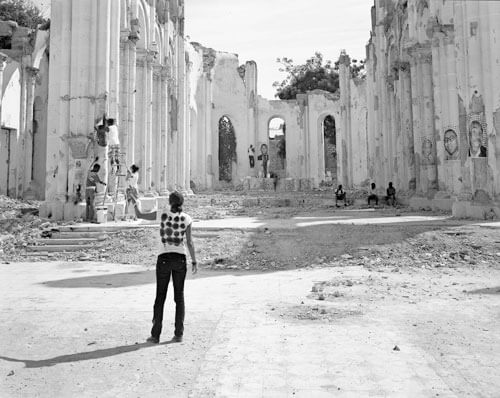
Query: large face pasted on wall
477	139
227	149
451	146
264	157
477	132
428	154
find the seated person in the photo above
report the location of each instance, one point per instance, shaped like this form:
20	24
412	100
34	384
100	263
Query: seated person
373	194
340	195
391	195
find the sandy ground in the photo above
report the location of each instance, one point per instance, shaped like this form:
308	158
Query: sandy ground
355	305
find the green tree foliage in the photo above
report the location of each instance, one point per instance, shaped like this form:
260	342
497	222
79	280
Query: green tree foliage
314	74
24	12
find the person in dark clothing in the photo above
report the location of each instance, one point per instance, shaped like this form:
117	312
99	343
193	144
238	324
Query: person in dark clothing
91	186
175	226
373	194
340	195
391	195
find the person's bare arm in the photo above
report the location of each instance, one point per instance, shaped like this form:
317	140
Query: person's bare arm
190	245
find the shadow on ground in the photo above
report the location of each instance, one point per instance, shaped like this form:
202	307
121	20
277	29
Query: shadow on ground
488	290
106	281
84	356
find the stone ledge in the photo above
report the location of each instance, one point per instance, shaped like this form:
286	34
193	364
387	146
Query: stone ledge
475	210
419	203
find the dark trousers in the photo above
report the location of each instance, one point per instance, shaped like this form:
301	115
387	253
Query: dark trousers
89	201
373	197
169	264
252	161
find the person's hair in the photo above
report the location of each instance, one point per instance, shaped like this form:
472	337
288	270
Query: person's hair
390	184
176	200
111	121
340	186
96	167
134	168
373	185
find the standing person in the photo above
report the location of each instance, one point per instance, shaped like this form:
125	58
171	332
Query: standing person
91	187
391	195
132	190
340	195
175	225
373	194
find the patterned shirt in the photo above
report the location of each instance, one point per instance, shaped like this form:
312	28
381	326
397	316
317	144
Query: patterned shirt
172	231
93	179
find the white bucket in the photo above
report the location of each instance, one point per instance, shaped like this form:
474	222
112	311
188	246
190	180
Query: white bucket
102	214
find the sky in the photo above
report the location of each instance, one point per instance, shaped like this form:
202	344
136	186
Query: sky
263	30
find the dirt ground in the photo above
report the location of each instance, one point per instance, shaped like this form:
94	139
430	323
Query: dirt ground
423	291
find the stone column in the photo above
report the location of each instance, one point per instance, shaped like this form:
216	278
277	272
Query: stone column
123	124
18	161
181	91
131	98
406	127
140	118
157	128
148	126
423	118
31	74
164	76
343	139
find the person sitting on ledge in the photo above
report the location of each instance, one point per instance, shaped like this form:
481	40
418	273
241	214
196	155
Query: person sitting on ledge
373	194
340	195
391	195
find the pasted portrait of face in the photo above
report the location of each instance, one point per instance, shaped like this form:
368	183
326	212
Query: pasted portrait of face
451	144
263	149
476	147
427	152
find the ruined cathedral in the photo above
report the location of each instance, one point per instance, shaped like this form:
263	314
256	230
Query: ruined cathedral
425	116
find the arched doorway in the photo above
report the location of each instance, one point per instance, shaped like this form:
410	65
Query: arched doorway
227	149
277	146
330	148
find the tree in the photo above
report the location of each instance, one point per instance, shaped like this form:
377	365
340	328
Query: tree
357	68
24	12
314	74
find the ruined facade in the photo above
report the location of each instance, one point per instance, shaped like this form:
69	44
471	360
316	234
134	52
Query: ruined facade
432	85
23	110
425	116
222	88
122	59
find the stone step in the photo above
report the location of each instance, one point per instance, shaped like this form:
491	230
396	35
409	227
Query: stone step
103	228
81	235
59	248
70	242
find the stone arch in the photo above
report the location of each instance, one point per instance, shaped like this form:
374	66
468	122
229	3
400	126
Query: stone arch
276	138
145	32
227	148
328	131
